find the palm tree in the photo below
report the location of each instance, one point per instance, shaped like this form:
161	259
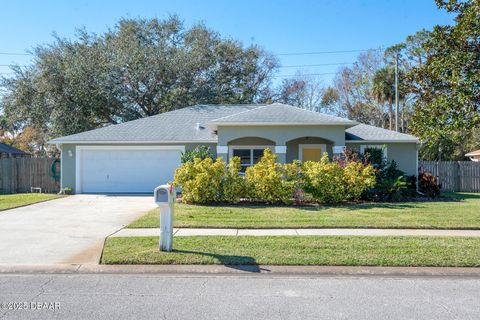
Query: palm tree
384	90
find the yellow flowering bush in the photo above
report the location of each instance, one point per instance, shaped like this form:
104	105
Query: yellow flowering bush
324	180
293	178
268	181
201	180
330	182
358	178
206	181
233	187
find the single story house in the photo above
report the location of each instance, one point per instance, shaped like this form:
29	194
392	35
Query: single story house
474	155
7	151
136	156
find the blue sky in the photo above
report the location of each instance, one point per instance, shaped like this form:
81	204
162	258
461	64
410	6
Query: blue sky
279	26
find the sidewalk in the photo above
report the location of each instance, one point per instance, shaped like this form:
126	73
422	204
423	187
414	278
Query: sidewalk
185	232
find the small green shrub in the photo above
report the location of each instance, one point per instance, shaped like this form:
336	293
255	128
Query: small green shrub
411	190
201	152
391	182
201	180
391	189
270	182
374	156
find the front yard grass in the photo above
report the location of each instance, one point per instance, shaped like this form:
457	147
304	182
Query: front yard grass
10	201
298	250
461	212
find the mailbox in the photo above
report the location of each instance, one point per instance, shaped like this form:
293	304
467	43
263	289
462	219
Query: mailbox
165	196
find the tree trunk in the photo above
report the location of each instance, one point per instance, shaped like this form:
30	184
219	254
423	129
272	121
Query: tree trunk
390	115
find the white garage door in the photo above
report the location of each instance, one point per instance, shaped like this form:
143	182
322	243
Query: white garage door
125	170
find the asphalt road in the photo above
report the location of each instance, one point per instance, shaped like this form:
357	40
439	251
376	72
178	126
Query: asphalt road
108	296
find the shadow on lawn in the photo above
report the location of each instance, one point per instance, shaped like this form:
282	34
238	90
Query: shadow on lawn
381	205
320	207
463	196
244	263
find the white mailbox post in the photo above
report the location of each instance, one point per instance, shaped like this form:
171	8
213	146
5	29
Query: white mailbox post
165	196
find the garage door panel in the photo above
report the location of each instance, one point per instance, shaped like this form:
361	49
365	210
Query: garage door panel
126	171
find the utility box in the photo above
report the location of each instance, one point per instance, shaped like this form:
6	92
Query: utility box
165	197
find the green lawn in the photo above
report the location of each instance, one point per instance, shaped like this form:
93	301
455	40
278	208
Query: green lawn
296	250
462	212
9	201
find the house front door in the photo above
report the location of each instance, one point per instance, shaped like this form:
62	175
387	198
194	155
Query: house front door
312	152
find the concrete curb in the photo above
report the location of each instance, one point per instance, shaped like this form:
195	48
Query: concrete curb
192	270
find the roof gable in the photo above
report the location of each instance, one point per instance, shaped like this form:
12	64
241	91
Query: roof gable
365	132
5	148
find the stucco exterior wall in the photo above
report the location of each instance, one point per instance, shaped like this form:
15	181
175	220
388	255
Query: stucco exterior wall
251	141
293	146
282	134
404	154
68	162
67	166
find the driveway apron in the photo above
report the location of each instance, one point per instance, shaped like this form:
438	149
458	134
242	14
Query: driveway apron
66	230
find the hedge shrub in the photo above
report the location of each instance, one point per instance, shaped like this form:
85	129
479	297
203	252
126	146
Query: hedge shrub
201	180
201	152
330	182
207	181
358	178
374	156
324	180
233	186
269	181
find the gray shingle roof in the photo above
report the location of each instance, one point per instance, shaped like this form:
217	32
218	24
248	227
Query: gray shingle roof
5	148
181	125
281	114
174	126
364	132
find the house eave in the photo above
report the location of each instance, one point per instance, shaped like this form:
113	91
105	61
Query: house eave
214	125
60	142
383	141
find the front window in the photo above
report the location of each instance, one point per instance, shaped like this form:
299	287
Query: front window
363	148
248	155
257	154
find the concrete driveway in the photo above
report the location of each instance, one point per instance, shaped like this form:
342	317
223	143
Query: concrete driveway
66	230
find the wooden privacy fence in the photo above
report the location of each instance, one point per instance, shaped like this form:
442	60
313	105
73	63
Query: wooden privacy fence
20	174
455	175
